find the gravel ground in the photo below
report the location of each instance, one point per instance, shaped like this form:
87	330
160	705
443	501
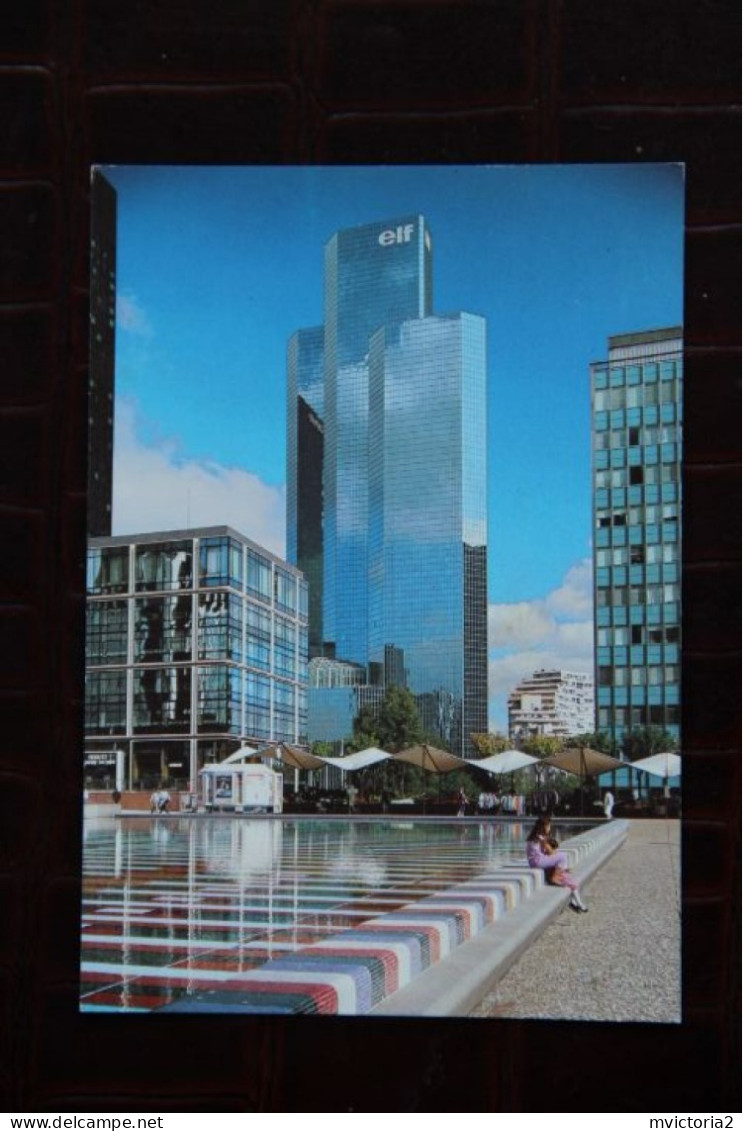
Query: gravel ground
619	962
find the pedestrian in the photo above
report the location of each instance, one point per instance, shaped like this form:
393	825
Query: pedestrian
543	852
164	800
462	801
609	804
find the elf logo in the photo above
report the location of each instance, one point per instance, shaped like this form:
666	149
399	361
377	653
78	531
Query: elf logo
401	234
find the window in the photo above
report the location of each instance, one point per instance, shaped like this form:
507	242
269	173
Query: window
106	632
162	628
167	565
220	626
162	700
258	576
285	589
105	702
636	475
108	570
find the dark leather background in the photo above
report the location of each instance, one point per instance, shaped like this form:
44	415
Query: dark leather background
370	81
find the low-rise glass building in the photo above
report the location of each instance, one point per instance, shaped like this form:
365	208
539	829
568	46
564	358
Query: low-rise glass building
196	642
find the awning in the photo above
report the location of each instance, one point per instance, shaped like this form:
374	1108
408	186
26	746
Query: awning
583	761
507	762
664	765
431	758
359	760
296	757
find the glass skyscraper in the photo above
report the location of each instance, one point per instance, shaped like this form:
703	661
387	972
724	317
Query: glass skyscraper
637	460
404	476
305	469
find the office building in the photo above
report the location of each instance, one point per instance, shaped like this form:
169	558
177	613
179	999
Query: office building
305	469
102	315
552	702
404	476
196	644
637	460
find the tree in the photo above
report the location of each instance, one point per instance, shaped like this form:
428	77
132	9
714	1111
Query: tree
643	741
542	745
323	749
395	724
597	740
491	743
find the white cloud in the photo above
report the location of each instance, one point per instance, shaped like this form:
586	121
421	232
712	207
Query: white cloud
518	625
154	489
131	317
574	597
555	631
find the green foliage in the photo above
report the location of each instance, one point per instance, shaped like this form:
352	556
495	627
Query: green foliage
597	740
323	749
487	744
542	745
361	740
393	726
644	741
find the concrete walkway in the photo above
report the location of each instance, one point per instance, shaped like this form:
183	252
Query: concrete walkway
619	962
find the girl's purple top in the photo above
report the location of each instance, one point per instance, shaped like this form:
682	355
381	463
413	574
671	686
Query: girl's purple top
536	858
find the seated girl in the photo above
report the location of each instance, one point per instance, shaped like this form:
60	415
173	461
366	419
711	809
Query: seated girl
543	852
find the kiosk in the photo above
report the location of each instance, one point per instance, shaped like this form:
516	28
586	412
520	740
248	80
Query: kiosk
241	787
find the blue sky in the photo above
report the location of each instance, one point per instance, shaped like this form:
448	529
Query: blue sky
217	266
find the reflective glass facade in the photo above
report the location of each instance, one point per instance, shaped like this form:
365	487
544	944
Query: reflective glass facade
202	636
427	512
375	275
637	461
404	476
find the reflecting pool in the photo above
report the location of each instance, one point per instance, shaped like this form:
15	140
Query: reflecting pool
172	905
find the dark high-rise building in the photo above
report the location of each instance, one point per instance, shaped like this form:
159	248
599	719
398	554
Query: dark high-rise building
305	469
101	357
404	479
637	458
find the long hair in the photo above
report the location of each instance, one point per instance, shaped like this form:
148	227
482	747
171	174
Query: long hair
539	828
